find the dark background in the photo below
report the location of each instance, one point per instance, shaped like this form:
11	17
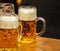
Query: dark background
48	9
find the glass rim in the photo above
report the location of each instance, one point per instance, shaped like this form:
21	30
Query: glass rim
28	6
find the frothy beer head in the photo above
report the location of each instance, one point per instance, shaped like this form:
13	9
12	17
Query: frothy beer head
8	22
27	13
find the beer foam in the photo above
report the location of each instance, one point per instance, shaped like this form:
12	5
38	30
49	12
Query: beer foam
27	17
27	9
8	22
27	13
8	18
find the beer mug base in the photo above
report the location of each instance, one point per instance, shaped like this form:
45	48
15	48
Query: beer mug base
26	40
8	49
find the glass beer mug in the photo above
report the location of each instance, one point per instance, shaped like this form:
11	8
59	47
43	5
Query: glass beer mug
28	18
8	28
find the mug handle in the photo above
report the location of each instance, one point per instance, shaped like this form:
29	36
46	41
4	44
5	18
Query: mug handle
44	25
20	32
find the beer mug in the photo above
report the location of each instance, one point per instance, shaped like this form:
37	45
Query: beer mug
28	18
9	28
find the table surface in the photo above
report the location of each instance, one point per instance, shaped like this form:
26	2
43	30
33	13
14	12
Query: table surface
41	44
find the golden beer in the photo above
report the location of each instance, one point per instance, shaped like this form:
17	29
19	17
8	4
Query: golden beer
8	38
29	31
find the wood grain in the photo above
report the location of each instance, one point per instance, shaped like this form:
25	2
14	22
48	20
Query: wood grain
41	44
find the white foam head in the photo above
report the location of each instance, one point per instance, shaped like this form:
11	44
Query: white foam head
8	22
8	18
27	13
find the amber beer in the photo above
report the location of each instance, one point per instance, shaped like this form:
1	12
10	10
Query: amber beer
28	19
29	31
8	33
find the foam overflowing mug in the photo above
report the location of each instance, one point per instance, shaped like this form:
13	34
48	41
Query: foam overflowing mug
28	18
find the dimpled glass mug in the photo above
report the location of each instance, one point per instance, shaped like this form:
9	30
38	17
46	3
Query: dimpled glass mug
9	28
28	18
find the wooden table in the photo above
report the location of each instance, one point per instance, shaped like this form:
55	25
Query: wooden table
41	44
